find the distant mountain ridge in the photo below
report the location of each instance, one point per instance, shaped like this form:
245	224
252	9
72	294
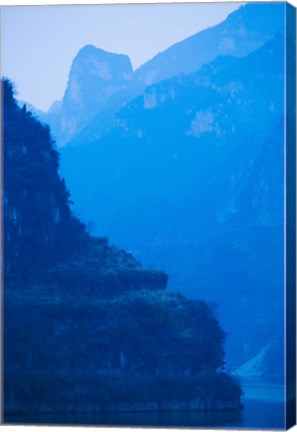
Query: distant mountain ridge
84	103
242	32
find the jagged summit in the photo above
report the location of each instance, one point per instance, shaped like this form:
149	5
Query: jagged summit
95	77
101	64
91	49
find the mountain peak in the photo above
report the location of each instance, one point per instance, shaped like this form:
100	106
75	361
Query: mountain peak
95	76
102	64
88	48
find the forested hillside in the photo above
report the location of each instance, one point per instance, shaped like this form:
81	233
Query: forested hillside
86	327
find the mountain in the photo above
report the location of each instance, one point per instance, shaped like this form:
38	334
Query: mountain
186	180
241	33
86	328
88	114
95	76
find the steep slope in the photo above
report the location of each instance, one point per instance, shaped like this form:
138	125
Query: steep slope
181	172
86	328
41	234
95	76
48	199
241	33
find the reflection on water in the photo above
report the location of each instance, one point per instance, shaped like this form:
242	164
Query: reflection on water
255	414
263	415
257	389
263	409
264	404
170	419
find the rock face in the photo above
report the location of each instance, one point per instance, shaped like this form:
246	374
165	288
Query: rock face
87	328
95	76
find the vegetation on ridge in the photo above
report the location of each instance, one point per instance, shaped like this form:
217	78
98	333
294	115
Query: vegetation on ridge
86	327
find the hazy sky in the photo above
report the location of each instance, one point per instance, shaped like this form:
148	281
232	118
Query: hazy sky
40	42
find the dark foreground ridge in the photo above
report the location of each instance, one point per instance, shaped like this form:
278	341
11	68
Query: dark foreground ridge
86	327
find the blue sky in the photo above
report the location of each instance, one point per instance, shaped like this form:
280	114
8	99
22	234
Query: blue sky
40	42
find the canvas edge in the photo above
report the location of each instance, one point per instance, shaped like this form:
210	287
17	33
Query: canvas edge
290	214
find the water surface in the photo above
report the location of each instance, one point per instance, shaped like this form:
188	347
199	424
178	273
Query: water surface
263	409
